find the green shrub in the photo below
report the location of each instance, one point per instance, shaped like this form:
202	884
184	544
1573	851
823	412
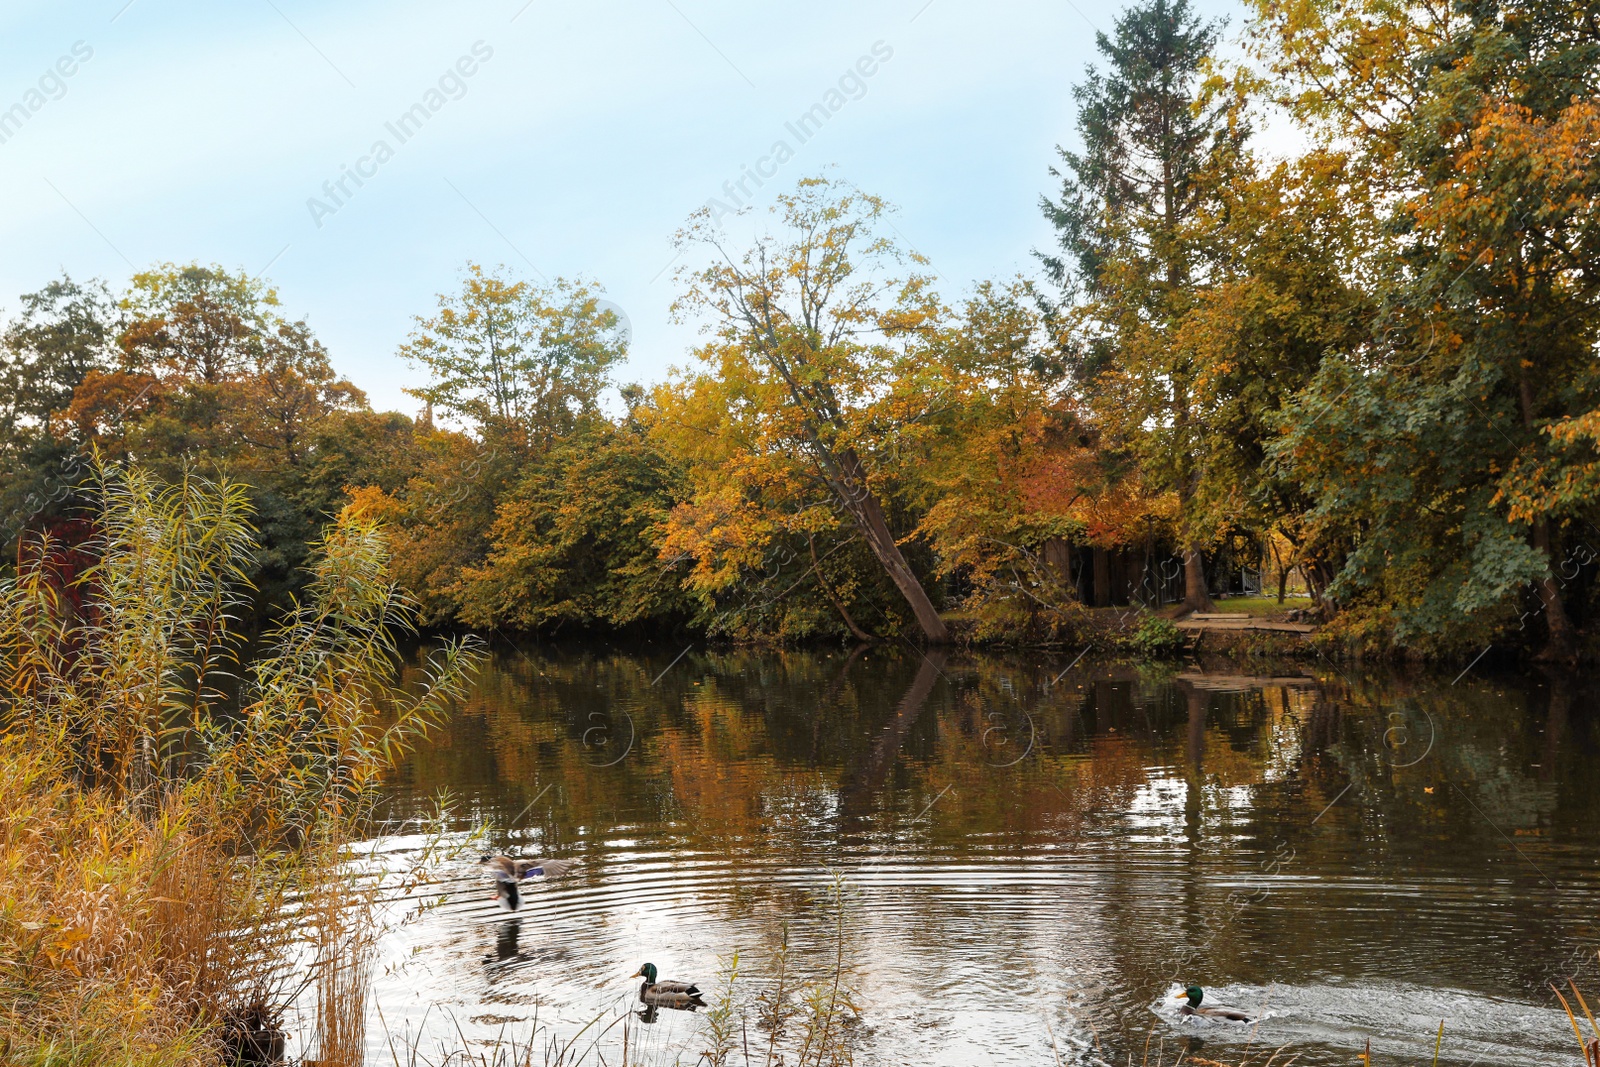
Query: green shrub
1157	637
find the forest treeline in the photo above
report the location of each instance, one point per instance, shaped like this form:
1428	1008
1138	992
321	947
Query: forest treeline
1326	289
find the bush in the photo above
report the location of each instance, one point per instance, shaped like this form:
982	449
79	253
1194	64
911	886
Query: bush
1157	638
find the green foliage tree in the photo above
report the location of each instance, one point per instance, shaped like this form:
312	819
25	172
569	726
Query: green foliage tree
575	540
517	364
66	333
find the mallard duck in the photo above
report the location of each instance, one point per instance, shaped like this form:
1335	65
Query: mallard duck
681	995
508	873
1194	995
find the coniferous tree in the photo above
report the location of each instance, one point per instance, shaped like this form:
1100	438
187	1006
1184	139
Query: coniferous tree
1127	259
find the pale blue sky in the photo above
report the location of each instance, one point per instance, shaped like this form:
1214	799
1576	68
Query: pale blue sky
199	132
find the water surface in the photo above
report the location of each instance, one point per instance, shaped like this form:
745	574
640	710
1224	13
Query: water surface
1031	861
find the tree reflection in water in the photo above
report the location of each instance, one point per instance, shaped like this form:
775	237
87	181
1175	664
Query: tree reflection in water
1292	833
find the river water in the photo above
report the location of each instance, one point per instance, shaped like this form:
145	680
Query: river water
1010	859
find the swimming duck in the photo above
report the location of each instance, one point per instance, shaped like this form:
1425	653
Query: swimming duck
508	873
1194	995
681	995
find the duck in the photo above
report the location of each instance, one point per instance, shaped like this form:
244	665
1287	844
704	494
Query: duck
684	996
1194	995
508	873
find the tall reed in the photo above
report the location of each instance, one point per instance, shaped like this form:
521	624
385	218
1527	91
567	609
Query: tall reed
1590	1046
163	800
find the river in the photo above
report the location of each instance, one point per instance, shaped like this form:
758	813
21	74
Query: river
1015	859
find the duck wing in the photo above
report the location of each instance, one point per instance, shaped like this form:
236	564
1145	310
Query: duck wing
1225	1013
501	868
662	998
677	987
548	868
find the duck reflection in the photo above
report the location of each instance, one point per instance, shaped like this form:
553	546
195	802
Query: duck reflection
507	945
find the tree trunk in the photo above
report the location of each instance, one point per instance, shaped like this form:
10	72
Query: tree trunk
1559	642
1102	578
1277	565
1317	579
1196	597
1559	645
848	480
1058	566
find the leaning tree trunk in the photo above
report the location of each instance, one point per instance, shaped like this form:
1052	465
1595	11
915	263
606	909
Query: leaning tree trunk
848	480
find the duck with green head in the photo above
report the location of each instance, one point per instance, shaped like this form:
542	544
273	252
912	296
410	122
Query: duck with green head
657	994
1194	995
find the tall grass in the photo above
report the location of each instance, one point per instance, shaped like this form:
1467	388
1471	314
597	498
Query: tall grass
169	807
346	952
1590	1046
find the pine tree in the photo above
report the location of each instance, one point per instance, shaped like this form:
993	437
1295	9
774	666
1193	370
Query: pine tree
1128	260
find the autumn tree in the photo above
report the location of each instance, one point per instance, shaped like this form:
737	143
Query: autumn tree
1127	262
1474	128
993	451
199	324
1277	298
814	318
514	362
757	541
293	388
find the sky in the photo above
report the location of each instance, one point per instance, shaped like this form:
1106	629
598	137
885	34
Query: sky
567	140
